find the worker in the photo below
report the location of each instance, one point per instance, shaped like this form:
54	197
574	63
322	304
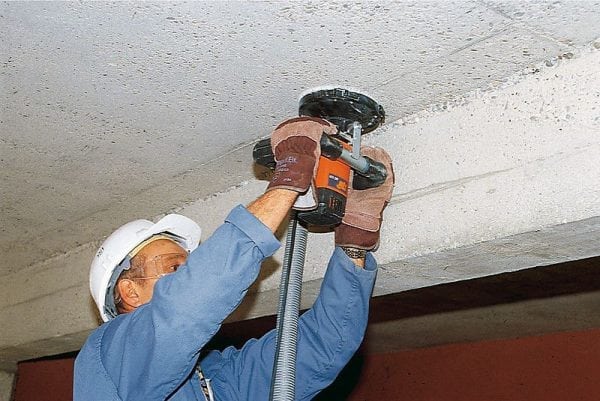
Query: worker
163	298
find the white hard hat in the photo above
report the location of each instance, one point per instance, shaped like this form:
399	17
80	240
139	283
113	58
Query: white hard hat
106	266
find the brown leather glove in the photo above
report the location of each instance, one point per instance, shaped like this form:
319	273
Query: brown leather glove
296	146
362	221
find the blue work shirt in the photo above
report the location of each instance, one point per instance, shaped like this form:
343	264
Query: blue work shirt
151	354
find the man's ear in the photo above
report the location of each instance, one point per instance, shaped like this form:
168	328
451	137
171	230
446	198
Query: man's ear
130	296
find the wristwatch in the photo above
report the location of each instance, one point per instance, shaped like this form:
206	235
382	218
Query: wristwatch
354	253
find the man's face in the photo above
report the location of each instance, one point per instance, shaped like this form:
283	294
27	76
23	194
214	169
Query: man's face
159	258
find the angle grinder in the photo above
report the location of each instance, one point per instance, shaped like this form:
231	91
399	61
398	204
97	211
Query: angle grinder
354	114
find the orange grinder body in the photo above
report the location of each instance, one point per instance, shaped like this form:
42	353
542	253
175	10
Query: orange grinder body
331	191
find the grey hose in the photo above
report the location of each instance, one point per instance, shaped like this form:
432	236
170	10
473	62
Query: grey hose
283	384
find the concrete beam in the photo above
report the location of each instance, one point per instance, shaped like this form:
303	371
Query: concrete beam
504	180
543	247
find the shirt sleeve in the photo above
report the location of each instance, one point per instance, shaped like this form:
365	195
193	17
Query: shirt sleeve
328	335
150	352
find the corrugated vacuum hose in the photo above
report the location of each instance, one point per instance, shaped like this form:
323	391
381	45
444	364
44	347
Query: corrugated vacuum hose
283	385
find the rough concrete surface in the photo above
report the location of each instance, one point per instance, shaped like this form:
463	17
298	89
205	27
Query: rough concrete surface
106	107
517	160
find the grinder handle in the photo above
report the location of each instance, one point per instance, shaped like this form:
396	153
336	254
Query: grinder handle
369	173
263	154
373	177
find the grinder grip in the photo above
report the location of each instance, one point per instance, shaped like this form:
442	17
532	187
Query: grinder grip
263	154
369	173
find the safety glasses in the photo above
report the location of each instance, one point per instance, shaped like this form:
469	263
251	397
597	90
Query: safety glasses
167	263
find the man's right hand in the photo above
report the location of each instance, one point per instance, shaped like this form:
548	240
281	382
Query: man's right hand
296	146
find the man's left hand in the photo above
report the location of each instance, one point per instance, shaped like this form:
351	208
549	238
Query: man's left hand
364	208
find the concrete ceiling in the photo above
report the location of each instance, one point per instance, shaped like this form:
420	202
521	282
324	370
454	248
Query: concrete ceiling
104	106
